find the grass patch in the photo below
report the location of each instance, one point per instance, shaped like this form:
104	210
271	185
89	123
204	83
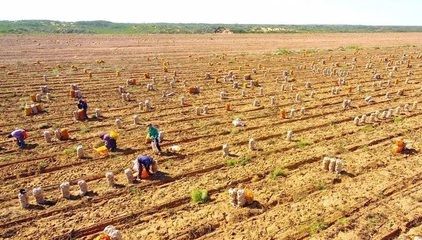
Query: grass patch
375	218
365	148
235	131
135	191
303	143
278	172
350	48
55	72
398	120
320	185
98	144
42	166
317	226
241	161
231	163
344	221
244	160
199	196
85	130
353	47
311	51
5	158
69	151
283	51
368	128
341	149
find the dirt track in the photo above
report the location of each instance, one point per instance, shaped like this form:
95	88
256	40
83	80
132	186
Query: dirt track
377	195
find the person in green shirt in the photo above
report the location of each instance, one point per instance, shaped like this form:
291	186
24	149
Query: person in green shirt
153	135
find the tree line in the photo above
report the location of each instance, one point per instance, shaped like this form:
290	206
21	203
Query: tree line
105	27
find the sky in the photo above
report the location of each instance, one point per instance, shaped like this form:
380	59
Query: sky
351	12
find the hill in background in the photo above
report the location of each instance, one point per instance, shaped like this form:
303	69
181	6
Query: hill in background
105	27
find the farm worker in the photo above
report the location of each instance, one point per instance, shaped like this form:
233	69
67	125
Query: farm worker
83	105
109	142
20	136
144	162
154	136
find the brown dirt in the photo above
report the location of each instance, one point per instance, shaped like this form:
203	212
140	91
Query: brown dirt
378	195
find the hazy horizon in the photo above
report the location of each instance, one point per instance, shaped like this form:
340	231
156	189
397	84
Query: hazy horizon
268	12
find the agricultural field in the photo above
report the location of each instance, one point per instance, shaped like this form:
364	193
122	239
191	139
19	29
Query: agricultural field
317	86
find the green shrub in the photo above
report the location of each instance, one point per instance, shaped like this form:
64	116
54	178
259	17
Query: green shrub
199	196
42	166
317	226
244	160
368	128
280	172
69	151
231	162
303	143
398	119
282	51
85	130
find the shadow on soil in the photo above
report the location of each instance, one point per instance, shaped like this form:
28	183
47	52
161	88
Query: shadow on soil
173	154
126	151
161	176
255	205
49	202
30	146
345	173
88	194
36	207
409	151
95	119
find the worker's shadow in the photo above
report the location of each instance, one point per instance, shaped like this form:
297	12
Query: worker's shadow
30	146
255	205
96	119
126	151
35	207
174	155
48	202
161	176
88	194
409	151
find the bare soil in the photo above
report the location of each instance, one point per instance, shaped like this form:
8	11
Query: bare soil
377	195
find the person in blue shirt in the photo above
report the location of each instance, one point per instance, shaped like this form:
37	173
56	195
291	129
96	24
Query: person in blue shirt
20	135
82	104
146	162
109	142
